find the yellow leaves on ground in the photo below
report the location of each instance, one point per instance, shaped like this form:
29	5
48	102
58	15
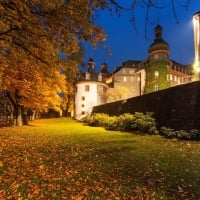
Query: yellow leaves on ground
62	159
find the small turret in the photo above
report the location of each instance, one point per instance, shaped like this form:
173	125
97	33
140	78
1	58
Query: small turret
91	65
159	49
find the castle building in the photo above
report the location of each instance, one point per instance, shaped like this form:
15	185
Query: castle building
161	72
155	73
90	91
133	78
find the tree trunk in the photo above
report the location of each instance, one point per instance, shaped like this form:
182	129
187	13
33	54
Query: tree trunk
33	115
18	115
24	115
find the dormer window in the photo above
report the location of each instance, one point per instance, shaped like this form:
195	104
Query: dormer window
100	77
87	76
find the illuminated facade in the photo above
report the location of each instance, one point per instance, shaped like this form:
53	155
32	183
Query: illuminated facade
196	24
91	88
136	78
155	73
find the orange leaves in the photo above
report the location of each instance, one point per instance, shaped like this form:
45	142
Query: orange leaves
62	159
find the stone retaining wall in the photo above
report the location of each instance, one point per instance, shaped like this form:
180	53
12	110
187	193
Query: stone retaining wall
177	107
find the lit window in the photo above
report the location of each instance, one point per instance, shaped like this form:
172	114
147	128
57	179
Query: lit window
179	80
168	77
156	87
124	78
100	89
156	75
87	76
100	77
87	88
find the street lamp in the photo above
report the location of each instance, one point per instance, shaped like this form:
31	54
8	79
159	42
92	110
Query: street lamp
196	25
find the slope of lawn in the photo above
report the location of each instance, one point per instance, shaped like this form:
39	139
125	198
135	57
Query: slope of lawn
64	159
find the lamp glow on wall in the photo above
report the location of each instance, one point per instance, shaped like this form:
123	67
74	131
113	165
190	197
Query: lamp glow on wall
196	26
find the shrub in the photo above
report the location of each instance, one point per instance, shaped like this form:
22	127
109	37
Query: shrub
99	119
167	132
112	123
126	122
183	135
180	134
144	123
194	134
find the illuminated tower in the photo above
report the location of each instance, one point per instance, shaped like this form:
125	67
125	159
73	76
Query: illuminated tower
196	24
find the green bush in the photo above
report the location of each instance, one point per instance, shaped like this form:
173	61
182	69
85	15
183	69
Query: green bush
194	134
99	119
125	122
180	134
183	135
167	132
144	123
137	122
112	123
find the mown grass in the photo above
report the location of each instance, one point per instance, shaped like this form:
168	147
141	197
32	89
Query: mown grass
64	159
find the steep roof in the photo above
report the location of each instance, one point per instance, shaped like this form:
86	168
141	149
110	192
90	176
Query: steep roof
159	43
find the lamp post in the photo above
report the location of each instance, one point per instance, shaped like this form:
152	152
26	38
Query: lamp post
196	26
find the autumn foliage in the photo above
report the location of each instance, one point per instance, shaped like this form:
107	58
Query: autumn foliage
33	34
63	159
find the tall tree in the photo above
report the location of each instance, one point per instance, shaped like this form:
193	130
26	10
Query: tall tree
32	35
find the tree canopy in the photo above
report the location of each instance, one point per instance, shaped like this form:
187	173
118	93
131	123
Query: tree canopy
34	33
32	36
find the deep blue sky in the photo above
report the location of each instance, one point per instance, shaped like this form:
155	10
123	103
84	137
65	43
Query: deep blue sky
126	43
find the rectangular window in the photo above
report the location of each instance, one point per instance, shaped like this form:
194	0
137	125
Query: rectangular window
100	77
156	87
87	76
87	88
100	89
124	79
83	98
168	77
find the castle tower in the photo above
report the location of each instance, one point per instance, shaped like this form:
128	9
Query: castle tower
157	67
159	49
91	65
90	92
196	25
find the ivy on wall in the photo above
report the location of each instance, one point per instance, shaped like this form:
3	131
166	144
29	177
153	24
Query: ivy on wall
157	81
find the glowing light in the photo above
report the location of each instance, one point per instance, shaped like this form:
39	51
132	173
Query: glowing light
196	25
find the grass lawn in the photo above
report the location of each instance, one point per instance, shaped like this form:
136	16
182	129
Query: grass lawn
64	159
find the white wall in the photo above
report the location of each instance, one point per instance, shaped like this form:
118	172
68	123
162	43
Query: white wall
90	98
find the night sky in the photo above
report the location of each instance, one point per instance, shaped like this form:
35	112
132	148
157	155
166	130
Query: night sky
127	41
